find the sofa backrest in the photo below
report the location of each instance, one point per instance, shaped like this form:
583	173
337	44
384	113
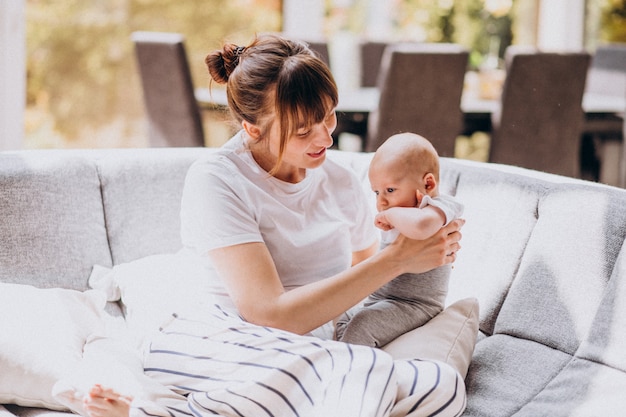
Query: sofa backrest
53	227
141	194
545	259
64	211
543	254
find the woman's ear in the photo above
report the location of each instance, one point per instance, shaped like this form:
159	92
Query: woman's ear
430	183
253	131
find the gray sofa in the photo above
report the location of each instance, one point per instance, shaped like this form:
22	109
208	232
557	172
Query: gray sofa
543	254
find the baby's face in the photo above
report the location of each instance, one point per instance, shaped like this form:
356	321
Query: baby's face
393	189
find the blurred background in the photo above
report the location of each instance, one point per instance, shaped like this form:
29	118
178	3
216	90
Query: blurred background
83	89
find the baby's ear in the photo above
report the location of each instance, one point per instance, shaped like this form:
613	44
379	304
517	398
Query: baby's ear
430	183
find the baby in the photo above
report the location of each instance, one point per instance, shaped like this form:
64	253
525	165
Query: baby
404	175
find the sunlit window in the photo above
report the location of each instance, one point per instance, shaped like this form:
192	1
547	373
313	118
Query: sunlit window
83	89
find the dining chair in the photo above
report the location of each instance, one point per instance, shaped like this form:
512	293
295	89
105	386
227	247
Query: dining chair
540	117
171	108
420	91
371	54
602	133
320	47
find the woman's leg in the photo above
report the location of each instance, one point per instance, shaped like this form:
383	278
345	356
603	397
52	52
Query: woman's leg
427	388
233	368
229	367
423	388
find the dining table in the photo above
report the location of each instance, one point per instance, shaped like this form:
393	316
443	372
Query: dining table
474	107
357	103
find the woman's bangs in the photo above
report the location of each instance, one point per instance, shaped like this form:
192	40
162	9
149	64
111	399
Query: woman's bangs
306	94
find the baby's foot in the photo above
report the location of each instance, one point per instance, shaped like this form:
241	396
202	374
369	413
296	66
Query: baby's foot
105	402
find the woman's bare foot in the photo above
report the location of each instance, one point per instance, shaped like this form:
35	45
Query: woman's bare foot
105	402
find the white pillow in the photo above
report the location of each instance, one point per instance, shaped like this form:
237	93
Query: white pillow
112	363
154	287
449	337
42	334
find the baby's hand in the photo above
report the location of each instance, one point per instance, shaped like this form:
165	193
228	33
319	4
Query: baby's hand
381	221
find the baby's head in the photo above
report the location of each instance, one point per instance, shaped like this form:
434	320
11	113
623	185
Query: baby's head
403	164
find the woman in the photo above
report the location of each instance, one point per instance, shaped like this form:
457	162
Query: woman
280	224
290	242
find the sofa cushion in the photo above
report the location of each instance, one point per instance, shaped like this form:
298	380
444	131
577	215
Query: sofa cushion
606	341
564	271
507	372
141	193
449	337
154	287
582	389
42	334
558	341
494	235
511	376
52	229
112	363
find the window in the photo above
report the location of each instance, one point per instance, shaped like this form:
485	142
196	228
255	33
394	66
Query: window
83	89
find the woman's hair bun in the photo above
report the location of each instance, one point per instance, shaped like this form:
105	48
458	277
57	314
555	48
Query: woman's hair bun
222	63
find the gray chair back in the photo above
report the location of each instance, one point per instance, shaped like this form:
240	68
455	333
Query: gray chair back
539	122
371	55
420	92
171	108
320	47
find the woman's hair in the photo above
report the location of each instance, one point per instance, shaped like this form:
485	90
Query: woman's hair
274	78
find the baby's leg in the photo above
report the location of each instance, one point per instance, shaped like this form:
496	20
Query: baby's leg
379	323
428	387
105	402
366	326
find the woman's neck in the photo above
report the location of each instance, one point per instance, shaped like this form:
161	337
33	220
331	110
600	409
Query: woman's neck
266	160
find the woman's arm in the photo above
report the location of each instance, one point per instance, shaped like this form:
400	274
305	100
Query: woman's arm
253	283
412	222
362	255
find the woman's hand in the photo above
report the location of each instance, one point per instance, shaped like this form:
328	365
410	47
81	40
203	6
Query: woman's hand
417	256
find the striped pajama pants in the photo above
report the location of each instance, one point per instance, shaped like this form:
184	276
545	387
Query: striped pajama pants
222	365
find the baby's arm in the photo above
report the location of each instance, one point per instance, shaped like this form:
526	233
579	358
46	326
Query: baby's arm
412	222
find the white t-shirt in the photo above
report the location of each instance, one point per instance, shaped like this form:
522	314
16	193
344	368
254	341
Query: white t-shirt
310	228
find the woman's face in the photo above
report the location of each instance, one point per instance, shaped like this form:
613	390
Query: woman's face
305	149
